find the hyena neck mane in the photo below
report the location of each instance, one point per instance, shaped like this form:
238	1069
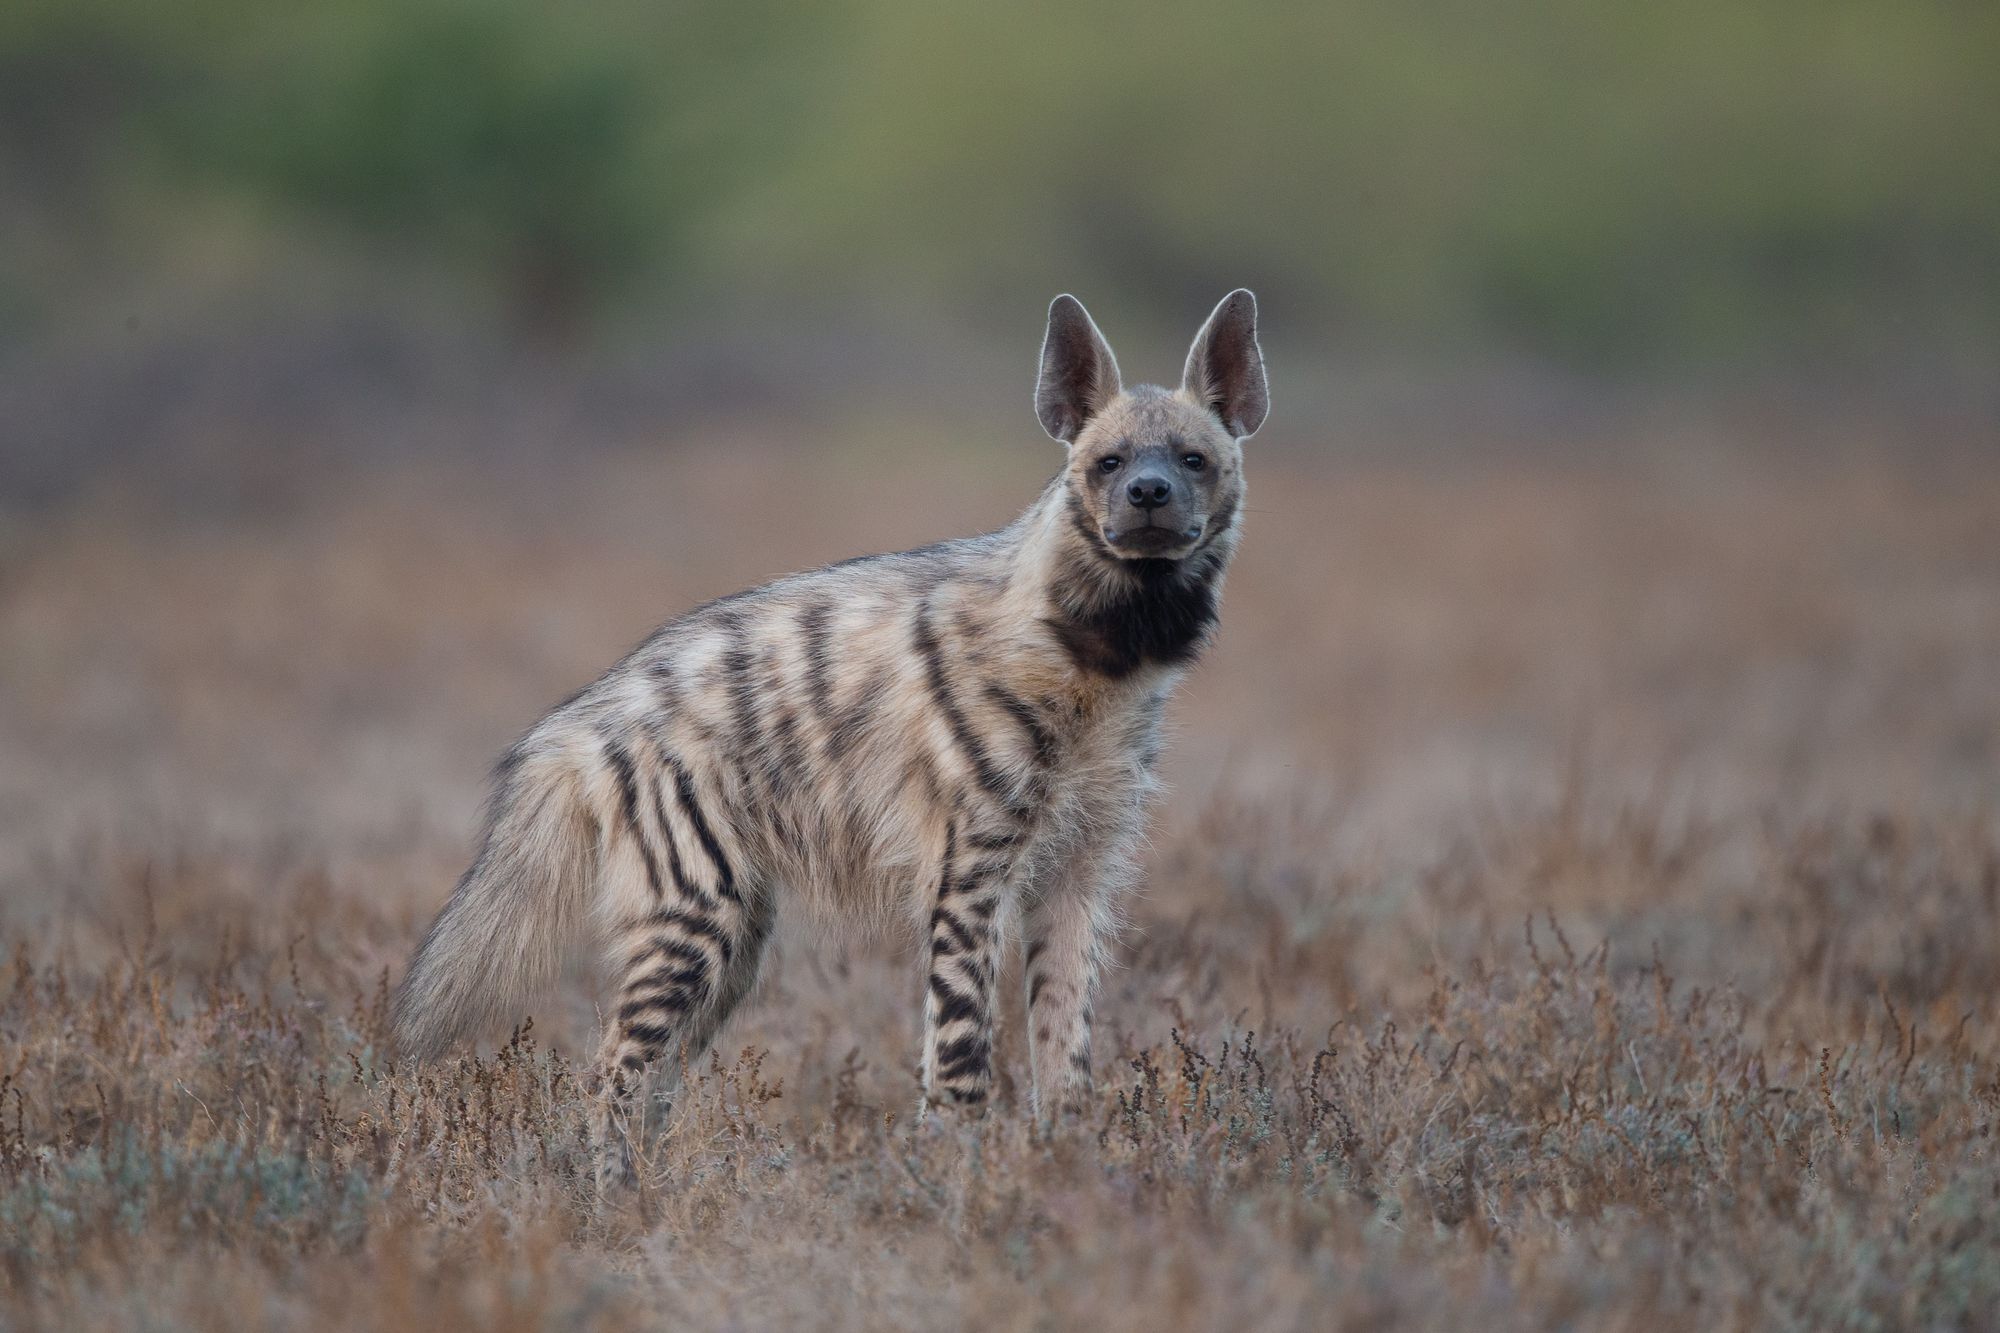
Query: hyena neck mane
1113	616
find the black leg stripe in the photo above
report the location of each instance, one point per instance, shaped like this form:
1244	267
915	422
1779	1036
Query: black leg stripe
693	975
696	926
950	850
966	1055
668	1006
977	972
671	1000
652	1036
665	947
952	1006
953	929
984	870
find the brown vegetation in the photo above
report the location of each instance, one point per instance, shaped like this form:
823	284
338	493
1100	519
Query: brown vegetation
1579	904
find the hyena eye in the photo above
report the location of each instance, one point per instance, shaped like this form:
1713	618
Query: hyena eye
1110	463
1193	462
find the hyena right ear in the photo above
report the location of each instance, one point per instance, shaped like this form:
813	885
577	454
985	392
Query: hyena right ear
1079	374
1225	367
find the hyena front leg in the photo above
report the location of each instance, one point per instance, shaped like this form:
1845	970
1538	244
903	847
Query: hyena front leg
1066	934
964	966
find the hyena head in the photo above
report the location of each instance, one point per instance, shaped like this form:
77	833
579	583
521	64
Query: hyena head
1153	475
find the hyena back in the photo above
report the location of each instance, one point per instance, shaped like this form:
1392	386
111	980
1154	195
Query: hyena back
964	735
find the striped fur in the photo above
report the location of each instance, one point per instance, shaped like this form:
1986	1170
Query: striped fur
961	737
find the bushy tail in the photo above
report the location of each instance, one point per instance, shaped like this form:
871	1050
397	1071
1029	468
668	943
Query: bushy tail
515	915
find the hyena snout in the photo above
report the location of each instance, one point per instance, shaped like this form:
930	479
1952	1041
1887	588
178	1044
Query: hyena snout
1154	490
1152	513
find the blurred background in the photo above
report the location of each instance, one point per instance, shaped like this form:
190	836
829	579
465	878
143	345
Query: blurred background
373	373
284	238
1622	557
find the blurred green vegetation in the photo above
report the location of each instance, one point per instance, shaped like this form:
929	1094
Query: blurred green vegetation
1608	184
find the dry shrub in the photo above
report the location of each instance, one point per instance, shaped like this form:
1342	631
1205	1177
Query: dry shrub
1440	1007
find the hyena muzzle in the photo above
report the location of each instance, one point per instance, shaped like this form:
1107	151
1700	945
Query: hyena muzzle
963	735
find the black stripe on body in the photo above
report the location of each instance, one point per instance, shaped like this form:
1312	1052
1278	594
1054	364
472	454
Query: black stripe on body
628	795
666	688
725	877
813	631
789	761
737	665
925	639
1040	739
783	750
674	866
854	721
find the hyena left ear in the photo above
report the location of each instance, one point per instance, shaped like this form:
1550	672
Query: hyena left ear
1079	374
1225	367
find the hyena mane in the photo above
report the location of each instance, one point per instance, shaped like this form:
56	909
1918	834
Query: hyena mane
962	737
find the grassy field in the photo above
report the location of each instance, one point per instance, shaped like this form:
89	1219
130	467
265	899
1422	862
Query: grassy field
1578	905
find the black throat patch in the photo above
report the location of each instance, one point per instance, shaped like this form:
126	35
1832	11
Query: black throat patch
1160	615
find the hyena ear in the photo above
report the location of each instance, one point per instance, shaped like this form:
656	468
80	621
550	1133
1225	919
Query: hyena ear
1225	367
1079	374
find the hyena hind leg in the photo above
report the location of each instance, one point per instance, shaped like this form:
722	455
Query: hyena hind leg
684	968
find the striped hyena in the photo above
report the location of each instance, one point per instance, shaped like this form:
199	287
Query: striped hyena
962	735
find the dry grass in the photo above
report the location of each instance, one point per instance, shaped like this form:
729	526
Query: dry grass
1580	905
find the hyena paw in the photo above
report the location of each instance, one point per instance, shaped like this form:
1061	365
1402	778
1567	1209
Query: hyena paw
617	1166
954	1104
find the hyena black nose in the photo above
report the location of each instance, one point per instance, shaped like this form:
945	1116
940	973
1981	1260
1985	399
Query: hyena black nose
1150	491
